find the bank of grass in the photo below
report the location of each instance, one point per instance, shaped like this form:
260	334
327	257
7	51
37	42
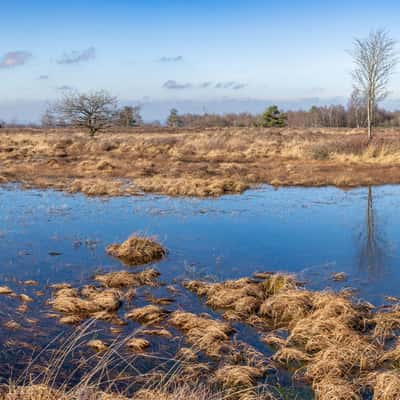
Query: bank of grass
208	162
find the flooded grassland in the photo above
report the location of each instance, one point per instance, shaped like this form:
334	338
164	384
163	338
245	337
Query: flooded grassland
287	294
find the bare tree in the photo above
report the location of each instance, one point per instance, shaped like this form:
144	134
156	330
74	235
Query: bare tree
93	111
130	116
375	60
356	110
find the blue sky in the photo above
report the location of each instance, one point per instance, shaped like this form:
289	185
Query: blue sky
214	55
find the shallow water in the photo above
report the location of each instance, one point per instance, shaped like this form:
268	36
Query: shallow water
313	232
54	237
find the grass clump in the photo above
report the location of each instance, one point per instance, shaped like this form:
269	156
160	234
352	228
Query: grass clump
234	376
122	279
147	315
137	251
86	302
203	332
325	338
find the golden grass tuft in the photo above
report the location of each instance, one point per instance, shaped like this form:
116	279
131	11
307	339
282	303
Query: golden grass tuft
231	376
386	385
147	315
336	389
97	344
138	345
286	307
121	279
242	296
6	290
86	302
386	324
204	333
137	251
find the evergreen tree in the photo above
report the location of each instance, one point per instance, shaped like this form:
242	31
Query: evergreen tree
273	117
174	119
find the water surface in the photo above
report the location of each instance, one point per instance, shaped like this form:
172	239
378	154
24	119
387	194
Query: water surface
53	237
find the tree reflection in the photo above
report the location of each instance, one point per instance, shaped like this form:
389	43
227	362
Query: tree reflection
372	243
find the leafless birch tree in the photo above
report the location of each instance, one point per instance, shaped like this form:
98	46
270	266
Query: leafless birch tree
375	60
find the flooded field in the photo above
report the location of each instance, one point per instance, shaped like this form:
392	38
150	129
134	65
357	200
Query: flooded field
50	238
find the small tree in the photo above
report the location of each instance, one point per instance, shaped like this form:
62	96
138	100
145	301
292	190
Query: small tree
273	117
356	110
173	119
375	60
130	116
93	111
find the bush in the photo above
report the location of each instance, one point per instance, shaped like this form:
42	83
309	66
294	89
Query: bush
319	151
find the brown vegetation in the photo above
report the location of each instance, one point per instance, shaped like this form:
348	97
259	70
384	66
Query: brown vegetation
203	332
343	348
121	279
197	162
137	251
86	302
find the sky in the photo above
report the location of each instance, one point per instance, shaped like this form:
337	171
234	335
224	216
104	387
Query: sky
214	56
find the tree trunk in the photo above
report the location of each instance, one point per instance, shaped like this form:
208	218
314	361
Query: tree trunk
369	119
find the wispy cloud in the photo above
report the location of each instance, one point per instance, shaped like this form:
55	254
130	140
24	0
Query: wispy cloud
233	85
14	59
77	57
205	85
174	85
230	85
43	77
169	59
64	88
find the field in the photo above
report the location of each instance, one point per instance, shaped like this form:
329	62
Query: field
242	300
209	162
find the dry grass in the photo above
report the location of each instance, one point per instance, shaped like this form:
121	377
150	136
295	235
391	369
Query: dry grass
209	162
122	279
147	315
138	345
242	298
337	345
137	251
238	375
386	385
176	379
204	333
86	302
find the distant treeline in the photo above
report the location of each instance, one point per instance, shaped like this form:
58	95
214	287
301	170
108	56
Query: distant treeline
334	116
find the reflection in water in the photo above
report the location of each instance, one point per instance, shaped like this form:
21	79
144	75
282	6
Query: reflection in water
372	243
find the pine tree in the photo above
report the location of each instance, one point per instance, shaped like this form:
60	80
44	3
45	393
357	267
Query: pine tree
273	117
173	119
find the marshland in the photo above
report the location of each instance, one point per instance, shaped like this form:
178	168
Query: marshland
201	162
271	294
199	200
